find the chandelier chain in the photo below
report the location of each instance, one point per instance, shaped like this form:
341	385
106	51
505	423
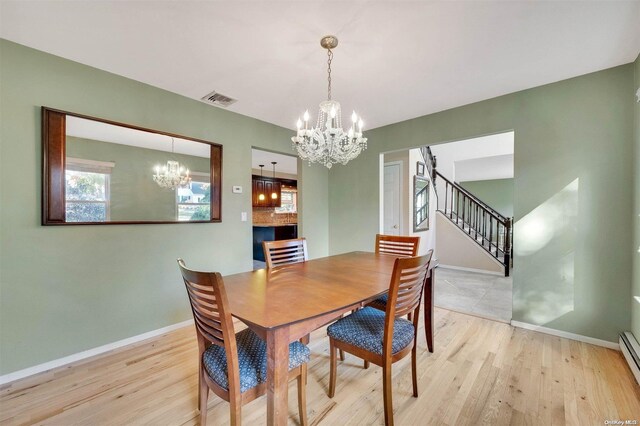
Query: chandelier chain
330	55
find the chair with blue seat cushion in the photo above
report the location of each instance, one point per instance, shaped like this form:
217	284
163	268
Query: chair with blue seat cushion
394	245
383	338
233	366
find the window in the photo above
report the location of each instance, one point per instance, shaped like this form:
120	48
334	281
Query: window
87	190
288	201
194	201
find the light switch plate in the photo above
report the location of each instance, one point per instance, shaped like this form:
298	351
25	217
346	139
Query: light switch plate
237	189
243	216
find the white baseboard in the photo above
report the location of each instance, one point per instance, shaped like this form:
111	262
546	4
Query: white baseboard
479	271
566	335
40	368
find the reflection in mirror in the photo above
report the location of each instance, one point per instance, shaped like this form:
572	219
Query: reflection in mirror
420	204
123	174
120	174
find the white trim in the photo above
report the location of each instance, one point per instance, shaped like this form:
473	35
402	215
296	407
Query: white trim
85	162
566	335
479	271
40	368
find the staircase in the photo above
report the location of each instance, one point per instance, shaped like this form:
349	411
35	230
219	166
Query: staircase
483	224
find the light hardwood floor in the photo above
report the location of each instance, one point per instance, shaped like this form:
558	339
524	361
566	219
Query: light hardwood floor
482	372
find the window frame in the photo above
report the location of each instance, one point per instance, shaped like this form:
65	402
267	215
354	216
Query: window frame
198	178
91	166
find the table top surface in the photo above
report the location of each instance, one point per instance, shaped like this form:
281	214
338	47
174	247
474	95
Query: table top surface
294	293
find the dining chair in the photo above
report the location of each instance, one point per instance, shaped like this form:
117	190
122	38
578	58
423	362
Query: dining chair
285	252
233	366
384	338
395	245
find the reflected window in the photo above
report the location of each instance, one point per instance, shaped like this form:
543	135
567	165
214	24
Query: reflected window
288	201
194	200
87	190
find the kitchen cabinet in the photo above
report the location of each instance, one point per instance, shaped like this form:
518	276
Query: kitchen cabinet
271	233
266	187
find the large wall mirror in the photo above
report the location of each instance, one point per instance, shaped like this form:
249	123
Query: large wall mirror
100	172
420	204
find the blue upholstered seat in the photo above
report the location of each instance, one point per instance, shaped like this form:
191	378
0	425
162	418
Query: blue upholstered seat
252	360
365	329
382	300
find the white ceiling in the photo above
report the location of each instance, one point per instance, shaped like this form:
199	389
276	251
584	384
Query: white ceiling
396	60
286	163
99	131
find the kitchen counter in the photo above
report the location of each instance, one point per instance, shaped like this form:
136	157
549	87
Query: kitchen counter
270	225
271	232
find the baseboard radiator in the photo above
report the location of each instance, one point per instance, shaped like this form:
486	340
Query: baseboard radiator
631	351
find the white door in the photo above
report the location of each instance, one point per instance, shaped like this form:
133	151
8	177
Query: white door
392	186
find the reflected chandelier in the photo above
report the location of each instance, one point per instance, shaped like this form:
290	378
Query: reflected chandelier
173	175
328	143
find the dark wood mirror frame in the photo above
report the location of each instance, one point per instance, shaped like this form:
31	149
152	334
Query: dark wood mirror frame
53	170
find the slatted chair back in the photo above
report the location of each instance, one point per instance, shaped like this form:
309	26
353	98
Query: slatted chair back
407	283
398	245
212	317
285	252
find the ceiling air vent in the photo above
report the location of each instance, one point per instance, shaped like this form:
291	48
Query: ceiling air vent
217	99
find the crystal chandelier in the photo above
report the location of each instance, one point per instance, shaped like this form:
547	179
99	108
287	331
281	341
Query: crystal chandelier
328	143
173	175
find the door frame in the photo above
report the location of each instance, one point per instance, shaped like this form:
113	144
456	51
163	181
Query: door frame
400	197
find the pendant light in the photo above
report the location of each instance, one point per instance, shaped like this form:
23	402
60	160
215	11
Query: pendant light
274	194
261	195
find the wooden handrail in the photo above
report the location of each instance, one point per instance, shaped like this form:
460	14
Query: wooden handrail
473	197
478	220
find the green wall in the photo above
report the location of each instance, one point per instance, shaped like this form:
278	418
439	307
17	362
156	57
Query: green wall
635	303
72	288
573	175
134	195
497	193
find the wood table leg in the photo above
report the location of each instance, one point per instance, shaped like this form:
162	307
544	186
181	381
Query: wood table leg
277	376
428	308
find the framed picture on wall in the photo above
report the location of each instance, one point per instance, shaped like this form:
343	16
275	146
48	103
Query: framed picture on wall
419	168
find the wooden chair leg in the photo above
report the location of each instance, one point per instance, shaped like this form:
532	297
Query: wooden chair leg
236	415
341	355
203	396
414	375
302	394
366	364
388	403
332	369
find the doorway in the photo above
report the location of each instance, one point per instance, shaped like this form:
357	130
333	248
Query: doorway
274	200
469	279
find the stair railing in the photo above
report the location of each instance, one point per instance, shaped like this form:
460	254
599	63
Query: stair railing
491	230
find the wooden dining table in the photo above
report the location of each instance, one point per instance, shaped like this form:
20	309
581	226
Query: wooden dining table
285	304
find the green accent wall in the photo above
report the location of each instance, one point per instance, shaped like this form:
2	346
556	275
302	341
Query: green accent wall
635	303
497	193
134	196
573	174
65	289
